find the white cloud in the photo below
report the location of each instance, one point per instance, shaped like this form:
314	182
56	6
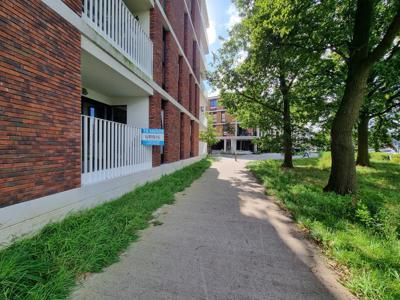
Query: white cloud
214	92
234	17
212	33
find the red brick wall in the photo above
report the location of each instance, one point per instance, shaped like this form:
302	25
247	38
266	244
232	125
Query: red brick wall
156	35
196	101
178	83
193	96
196	139
172	67
185	136
75	5
175	10
155	122
40	88
172	133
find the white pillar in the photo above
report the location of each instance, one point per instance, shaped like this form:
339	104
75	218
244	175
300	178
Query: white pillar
236	128
137	110
233	145
224	145
255	148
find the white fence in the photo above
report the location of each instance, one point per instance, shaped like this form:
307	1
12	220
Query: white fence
113	20
111	149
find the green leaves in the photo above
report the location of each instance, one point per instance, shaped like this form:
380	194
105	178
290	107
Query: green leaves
209	136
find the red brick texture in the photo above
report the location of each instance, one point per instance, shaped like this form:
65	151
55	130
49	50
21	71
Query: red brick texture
179	143
185	136
171	66
175	10
40	88
155	122
75	5
172	133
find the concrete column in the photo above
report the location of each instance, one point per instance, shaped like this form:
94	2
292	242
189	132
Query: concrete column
224	145
233	145
255	148
236	128
138	112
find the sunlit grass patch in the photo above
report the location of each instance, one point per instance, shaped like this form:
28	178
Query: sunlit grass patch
361	232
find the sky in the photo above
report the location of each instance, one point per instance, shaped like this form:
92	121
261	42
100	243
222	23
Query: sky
222	15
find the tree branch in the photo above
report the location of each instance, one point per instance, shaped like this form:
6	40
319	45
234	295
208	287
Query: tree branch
392	53
339	52
389	108
387	40
255	99
381	113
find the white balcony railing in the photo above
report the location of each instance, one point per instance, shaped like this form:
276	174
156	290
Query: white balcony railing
111	149
113	21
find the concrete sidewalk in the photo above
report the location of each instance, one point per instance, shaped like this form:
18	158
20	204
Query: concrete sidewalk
223	239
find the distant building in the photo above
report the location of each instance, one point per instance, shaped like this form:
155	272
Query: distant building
232	137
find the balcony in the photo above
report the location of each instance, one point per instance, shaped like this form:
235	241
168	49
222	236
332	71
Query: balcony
113	20
111	149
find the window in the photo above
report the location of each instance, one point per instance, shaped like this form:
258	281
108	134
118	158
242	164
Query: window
185	34
92	111
162	125
213	103
215	118
164	58
194	57
182	138
180	79
190	92
192	10
191	138
92	108
223	120
164	5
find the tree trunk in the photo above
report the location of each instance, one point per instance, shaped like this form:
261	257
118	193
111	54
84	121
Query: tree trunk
287	127
362	133
343	177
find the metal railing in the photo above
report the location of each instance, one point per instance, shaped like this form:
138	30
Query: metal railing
111	149
113	20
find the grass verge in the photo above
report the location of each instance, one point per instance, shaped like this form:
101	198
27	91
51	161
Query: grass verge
48	265
360	232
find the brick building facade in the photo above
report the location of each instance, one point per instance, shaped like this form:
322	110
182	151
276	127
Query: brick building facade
232	137
74	85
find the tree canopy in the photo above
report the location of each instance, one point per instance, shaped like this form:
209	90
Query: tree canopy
296	65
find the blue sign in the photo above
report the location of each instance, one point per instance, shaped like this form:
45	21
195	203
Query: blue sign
152	137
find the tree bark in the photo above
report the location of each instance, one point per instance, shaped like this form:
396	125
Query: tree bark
362	134
343	178
287	126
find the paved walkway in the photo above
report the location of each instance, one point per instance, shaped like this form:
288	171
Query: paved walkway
223	239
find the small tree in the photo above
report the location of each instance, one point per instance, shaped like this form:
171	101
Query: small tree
210	135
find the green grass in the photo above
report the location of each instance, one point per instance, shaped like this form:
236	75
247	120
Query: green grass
361	232
48	265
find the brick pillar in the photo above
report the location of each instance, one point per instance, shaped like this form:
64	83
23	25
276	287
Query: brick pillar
155	122
172	133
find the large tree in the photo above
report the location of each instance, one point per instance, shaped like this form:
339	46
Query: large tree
364	51
258	70
382	101
362	32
